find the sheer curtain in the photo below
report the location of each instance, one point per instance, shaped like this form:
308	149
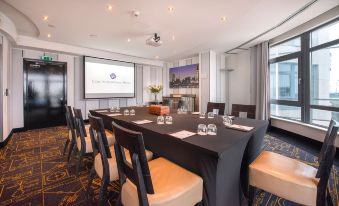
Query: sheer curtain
260	80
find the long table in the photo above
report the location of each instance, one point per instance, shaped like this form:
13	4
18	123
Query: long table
221	160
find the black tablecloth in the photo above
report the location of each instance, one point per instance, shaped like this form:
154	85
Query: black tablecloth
221	160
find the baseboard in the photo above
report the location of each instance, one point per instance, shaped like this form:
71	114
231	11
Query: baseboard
14	130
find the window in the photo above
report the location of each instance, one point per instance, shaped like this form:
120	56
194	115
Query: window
304	76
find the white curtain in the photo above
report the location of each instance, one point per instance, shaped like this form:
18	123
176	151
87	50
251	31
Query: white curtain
260	80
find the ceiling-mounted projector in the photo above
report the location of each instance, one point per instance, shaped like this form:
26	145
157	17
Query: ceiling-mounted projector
154	40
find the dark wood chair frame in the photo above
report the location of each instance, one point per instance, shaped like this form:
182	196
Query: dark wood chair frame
214	105
325	159
71	128
98	138
138	172
250	109
80	133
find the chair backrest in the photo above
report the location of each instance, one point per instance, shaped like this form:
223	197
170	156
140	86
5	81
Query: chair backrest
138	172
326	162
97	131
213	105
326	139
70	121
80	128
249	109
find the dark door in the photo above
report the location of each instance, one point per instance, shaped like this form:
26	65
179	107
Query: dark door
44	93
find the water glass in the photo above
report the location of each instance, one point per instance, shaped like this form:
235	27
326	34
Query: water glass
112	109
168	120
117	109
132	112
202	115
226	120
160	120
184	110
126	112
202	129
210	115
212	129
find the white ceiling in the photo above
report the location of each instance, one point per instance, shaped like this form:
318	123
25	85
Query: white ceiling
195	24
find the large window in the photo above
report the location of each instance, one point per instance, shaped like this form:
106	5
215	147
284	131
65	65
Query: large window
304	76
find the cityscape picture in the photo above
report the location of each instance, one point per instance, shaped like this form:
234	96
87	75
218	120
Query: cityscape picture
184	76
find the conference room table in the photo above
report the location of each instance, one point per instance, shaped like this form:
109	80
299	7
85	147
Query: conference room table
220	160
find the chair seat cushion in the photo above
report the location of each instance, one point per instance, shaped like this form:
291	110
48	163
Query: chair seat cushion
109	135
173	185
113	170
285	177
88	143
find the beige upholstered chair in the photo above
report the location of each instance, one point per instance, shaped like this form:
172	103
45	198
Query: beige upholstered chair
105	164
294	180
157	182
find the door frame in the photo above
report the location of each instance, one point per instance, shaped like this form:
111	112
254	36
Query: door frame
26	61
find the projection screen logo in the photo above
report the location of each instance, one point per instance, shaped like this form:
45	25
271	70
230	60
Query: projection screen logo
113	76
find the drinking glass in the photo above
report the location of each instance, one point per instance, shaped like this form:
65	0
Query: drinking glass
202	129
184	110
168	120
202	115
132	112
216	111
126	112
226	120
117	109
112	109
212	129
210	115
160	120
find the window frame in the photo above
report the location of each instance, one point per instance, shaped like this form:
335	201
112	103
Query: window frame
304	78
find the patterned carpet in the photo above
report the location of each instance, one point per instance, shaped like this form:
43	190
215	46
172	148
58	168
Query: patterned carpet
34	172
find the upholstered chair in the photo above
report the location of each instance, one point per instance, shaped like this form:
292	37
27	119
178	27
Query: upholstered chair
292	179
105	164
248	110
219	106
158	182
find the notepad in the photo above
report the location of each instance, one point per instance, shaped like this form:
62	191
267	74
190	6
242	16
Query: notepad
114	115
195	113
104	110
145	121
239	127
182	134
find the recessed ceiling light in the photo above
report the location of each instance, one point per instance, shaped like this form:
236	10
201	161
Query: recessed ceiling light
109	7
128	40
173	37
223	18
45	18
49	35
157	57
171	9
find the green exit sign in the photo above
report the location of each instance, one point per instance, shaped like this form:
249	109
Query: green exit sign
46	58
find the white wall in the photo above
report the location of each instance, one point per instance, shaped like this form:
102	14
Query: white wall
145	75
239	78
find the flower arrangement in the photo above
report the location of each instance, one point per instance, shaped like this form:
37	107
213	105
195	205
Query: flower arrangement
155	89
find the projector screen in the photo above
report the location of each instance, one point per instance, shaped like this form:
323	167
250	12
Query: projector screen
105	78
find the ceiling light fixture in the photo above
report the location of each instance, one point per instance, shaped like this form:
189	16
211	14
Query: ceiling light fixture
109	7
128	40
173	37
157	57
223	18
45	18
49	35
171	9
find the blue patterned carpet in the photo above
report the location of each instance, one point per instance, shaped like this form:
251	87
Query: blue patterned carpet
34	172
